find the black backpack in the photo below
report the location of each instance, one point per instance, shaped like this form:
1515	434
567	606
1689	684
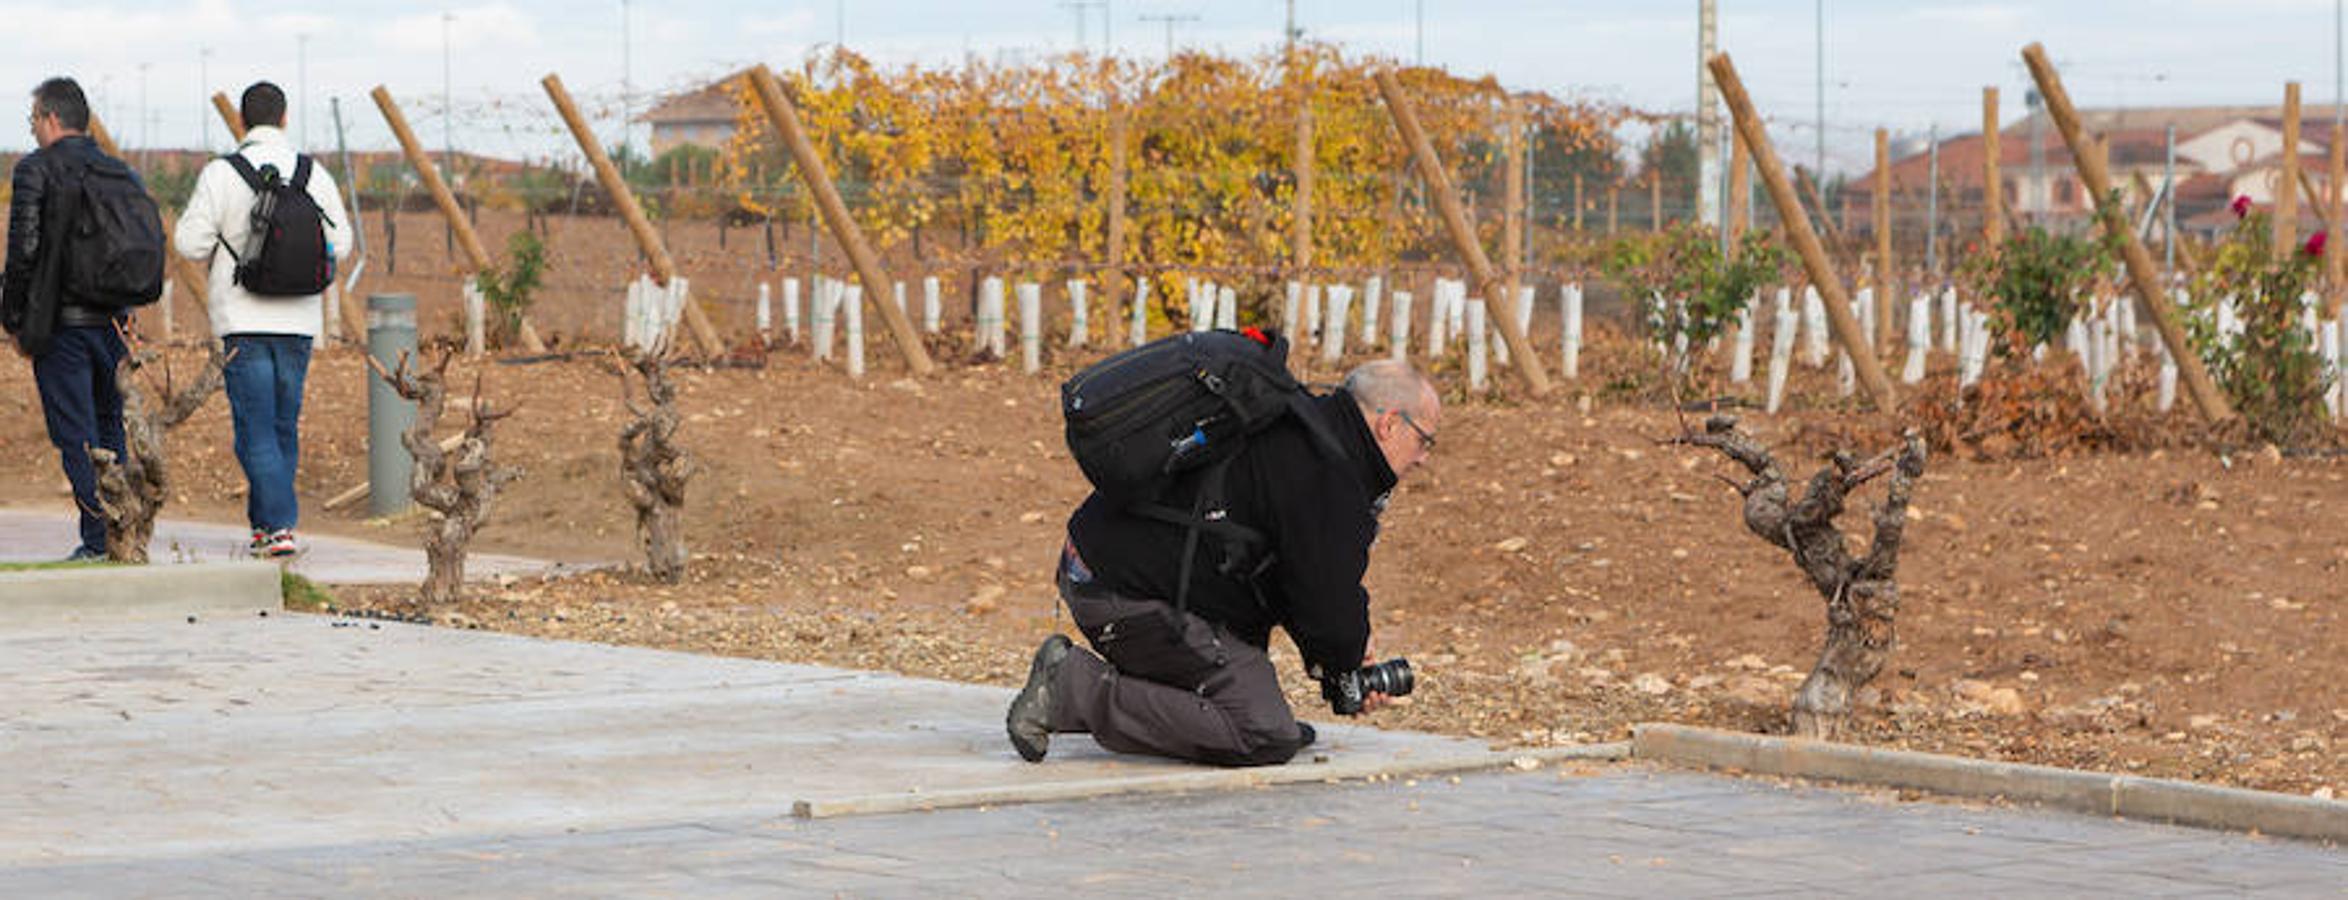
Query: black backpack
288	237
113	240
1139	419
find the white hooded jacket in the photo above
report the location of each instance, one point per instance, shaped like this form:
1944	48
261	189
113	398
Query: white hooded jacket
221	209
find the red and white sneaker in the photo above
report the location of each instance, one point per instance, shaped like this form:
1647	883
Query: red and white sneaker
281	545
258	544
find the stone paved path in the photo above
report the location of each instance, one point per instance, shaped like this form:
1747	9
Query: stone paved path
43	535
302	755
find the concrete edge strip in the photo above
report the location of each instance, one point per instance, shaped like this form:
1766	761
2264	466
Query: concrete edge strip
1190	780
2126	796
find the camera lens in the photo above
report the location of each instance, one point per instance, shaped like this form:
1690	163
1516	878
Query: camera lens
1392	678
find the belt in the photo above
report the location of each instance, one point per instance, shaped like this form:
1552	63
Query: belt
71	316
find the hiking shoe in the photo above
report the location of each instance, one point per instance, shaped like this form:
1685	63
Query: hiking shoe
280	545
1029	721
85	554
1305	735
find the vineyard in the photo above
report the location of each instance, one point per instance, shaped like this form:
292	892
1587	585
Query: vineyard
2122	555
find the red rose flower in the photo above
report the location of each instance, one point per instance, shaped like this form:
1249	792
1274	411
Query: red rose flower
2241	206
2315	245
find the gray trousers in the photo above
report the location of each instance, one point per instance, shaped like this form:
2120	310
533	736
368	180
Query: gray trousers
1229	713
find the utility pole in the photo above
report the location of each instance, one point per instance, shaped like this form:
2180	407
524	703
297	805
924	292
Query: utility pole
203	95
1932	206
1818	165
1078	7
448	106
627	88
302	85
1169	20
1707	115
1420	59
146	135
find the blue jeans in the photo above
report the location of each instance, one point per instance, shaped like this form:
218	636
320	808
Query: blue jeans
263	381
83	408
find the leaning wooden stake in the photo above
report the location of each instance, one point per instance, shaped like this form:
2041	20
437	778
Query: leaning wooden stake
196	280
1862	594
133	489
1740	187
458	489
1463	234
1115	287
230	116
430	175
654	468
1303	222
877	286
664	269
1797	228
2141	273
1512	212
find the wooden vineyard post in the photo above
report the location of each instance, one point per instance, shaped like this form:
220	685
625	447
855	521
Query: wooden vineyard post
1883	262
1884	238
1116	228
197	280
2334	251
1740	188
1512	214
2141	274
2286	199
1463	234
446	200
877	286
1613	207
230	115
1805	239
1993	187
664	268
1577	202
1303	219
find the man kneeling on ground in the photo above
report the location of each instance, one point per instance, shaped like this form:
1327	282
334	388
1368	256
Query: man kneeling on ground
1220	702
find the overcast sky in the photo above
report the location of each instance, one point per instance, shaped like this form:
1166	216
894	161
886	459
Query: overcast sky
1903	65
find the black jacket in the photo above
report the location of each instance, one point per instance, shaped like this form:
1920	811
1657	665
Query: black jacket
37	183
1319	516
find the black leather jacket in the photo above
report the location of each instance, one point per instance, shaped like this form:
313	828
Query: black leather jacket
36	175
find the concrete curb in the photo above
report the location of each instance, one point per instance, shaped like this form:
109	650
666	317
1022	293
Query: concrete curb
2127	796
138	593
1196	780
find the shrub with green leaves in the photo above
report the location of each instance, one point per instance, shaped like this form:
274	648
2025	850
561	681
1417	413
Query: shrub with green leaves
509	289
1687	286
2272	369
2036	283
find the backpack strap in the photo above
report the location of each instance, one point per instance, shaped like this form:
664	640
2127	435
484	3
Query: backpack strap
244	169
301	175
1207	515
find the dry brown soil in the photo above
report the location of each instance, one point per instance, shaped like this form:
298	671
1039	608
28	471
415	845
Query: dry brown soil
1556	574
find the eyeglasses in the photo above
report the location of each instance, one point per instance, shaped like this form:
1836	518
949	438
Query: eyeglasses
1426	441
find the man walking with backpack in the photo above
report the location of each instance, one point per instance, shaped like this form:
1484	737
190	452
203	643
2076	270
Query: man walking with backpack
272	225
85	245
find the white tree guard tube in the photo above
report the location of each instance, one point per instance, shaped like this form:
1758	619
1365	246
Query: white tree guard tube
1477	345
766	312
1919	338
1815	344
989	336
930	307
632	315
1227	308
475	341
1077	318
820	316
791	309
1137	331
1949	321
1371	291
1031	328
1333	337
1202	308
852	321
1740	350
1570	299
1439	320
1292	312
1398	338
1781	351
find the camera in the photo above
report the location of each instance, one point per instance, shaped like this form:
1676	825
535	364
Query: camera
1347	691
